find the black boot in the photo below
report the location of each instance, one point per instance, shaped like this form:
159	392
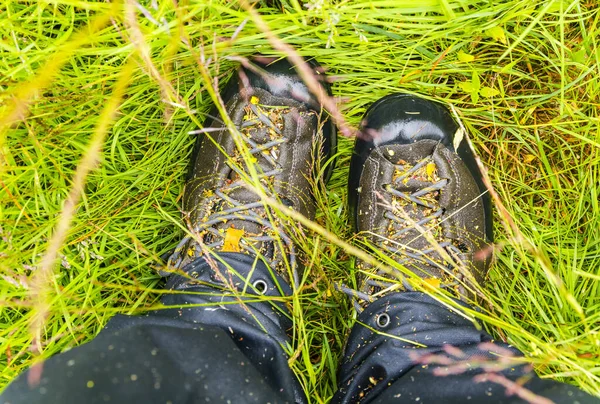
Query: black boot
288	138
239	249
419	198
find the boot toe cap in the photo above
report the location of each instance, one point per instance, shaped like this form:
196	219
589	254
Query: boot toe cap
403	118
279	77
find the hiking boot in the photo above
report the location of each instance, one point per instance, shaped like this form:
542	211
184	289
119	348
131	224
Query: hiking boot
418	197
284	136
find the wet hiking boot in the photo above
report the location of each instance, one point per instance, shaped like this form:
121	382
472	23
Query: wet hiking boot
419	200
239	247
287	138
418	197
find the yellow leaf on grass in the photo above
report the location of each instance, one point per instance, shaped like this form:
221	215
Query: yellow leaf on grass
465	57
232	240
528	158
497	34
489	92
467	87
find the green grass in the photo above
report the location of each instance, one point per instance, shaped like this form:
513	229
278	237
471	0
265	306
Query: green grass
523	79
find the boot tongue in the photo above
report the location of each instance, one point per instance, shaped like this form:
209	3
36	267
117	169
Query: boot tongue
415	169
405	157
409	153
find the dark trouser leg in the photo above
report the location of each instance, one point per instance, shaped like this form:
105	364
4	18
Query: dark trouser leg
221	351
383	369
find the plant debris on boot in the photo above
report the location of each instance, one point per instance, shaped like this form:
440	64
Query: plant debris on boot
284	137
417	199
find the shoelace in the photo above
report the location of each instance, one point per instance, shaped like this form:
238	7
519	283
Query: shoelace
380	283
212	228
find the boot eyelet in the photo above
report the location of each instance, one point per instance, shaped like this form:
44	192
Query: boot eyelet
383	320
260	286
